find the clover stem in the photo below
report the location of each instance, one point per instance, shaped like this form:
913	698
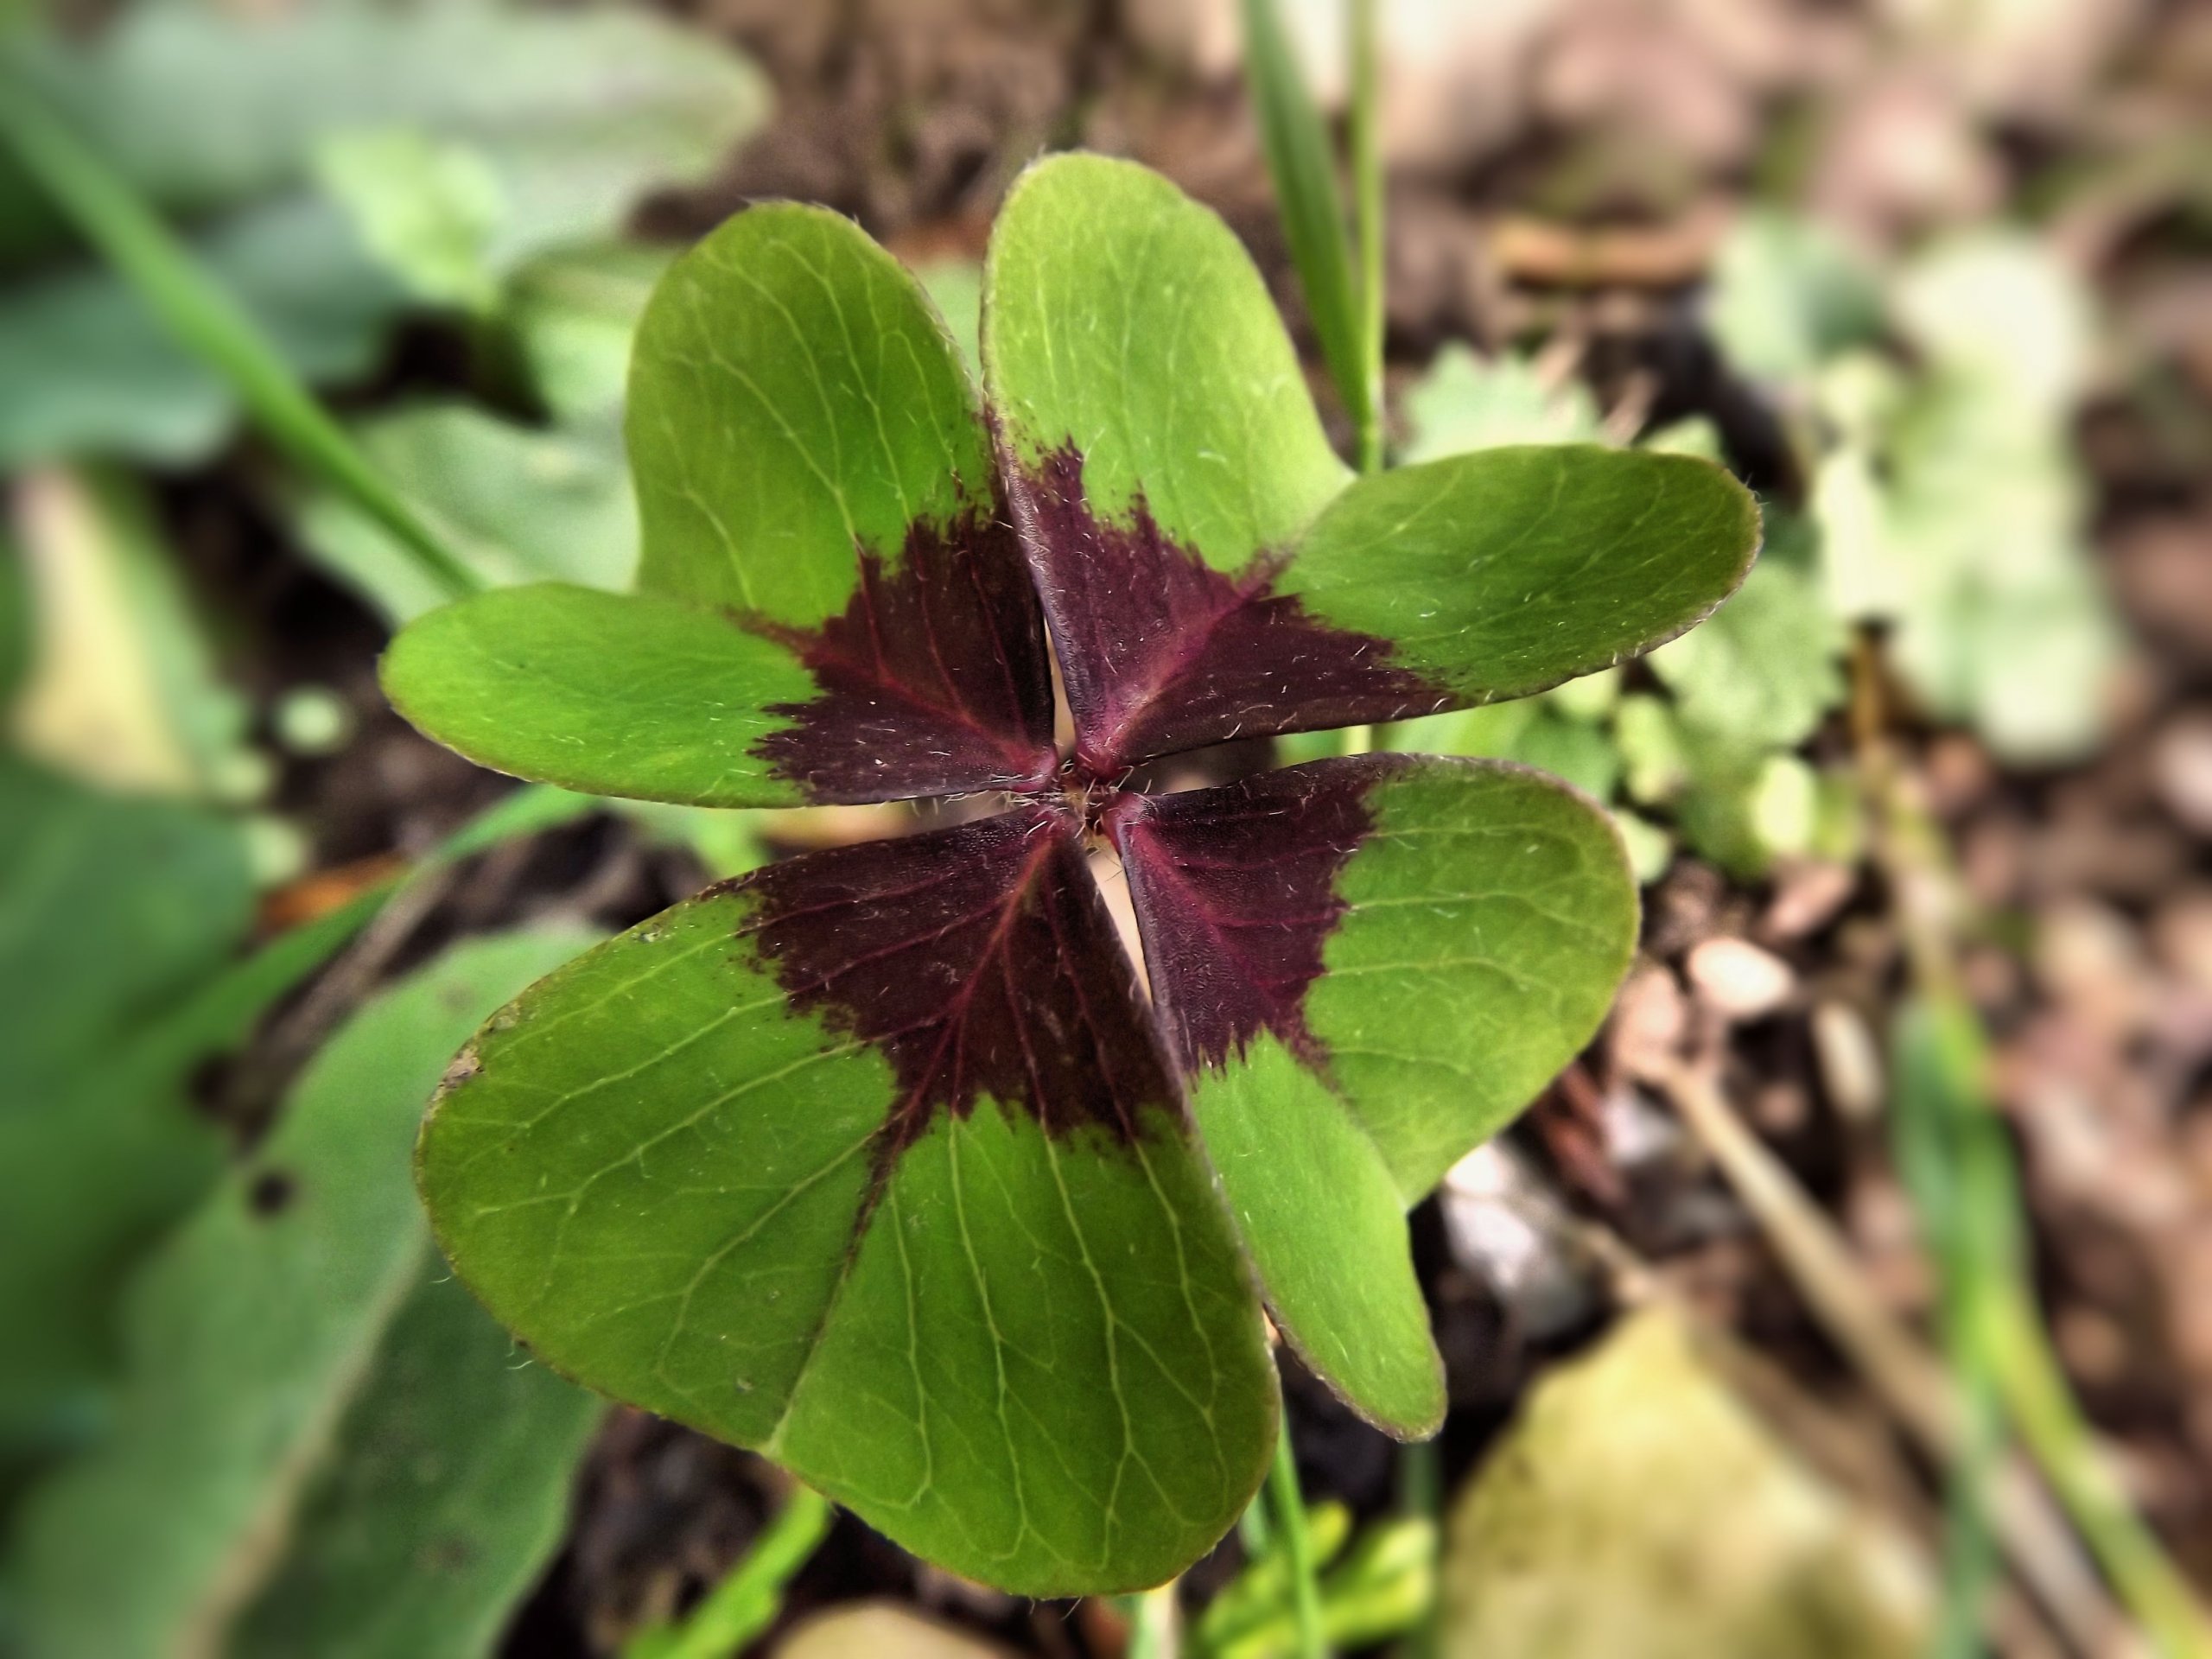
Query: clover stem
208	321
1288	1521
1421	1493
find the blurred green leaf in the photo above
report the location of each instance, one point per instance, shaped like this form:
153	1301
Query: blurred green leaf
441	1497
84	955
1998	307
574	313
1767	667
1381	1585
1636	1507
727	841
1694	435
18	627
109	910
567	116
1535	731
1465	401
428	209
956	288
204	108
1261	1593
1787	294
1947	494
114	990
515	504
1651	849
1653	758
296	1349
90	370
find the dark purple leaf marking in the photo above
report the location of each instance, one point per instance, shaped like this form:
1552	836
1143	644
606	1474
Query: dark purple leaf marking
934	680
980	962
1235	890
1160	652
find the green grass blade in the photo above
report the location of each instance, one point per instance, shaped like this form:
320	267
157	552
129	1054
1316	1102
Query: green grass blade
2051	1423
1967	1213
205	318
1367	199
746	1602
220	1013
1301	165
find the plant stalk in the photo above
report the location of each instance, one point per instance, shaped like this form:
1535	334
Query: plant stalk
1302	165
1973	1213
746	1601
207	320
1421	1494
1288	1506
1364	58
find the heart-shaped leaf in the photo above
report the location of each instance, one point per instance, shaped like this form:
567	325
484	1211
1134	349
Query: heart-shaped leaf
828	584
634	695
1209	569
1366	967
873	1160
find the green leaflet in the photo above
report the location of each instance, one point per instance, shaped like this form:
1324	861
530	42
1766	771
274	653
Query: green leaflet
1037	1362
1491	917
1122	316
1043	1369
1153	410
269	1345
613	694
794	399
1503	571
818	529
1362	988
1324	1224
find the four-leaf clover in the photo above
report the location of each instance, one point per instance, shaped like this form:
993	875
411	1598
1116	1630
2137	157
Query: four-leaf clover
882	1159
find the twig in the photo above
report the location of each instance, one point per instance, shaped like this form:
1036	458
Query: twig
1911	1385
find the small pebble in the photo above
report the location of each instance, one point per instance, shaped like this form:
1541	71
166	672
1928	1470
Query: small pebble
1738	981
